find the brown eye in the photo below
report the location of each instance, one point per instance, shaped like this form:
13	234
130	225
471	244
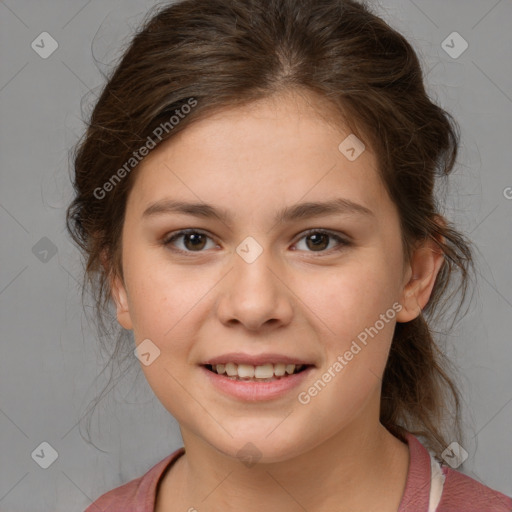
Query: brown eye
319	240
193	240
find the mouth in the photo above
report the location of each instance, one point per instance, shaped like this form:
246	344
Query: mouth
261	373
263	381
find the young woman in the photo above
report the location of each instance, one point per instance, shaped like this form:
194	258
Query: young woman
255	192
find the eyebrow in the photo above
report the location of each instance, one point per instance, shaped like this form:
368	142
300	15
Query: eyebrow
288	214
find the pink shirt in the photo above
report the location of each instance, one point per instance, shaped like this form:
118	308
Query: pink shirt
460	493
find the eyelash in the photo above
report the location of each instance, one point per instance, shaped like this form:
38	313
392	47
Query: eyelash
343	243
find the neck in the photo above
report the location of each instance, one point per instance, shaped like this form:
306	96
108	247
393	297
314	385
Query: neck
357	469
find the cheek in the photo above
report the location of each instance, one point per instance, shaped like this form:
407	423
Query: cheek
350	298
161	294
354	317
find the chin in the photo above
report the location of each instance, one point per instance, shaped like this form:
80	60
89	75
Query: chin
252	449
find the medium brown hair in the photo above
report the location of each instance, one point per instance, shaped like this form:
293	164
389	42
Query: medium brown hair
225	53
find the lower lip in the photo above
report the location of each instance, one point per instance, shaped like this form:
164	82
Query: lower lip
255	391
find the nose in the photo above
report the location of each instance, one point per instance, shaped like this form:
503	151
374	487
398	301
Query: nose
255	295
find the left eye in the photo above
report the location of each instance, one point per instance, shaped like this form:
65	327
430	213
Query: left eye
195	241
318	240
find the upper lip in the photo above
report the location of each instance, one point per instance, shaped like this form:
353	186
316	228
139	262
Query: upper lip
255	360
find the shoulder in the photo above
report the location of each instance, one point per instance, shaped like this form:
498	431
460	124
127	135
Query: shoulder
461	492
137	495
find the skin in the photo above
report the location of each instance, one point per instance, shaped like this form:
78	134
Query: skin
294	299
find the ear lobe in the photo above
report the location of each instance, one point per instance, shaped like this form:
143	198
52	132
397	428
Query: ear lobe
118	294
120	297
425	266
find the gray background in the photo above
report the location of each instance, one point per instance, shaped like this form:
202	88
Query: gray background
50	355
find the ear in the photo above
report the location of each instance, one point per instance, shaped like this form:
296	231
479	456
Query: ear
426	262
119	295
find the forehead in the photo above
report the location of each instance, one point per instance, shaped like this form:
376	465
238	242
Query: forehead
284	148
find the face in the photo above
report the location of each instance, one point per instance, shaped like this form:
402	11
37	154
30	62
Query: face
305	286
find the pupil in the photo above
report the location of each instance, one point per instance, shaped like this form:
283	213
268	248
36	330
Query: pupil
318	237
194	237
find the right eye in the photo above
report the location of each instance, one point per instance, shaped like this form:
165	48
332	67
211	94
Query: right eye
193	240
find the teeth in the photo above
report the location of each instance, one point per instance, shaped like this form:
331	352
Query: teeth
248	371
230	369
265	371
279	369
245	370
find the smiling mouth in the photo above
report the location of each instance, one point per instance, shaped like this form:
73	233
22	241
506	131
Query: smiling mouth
263	373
